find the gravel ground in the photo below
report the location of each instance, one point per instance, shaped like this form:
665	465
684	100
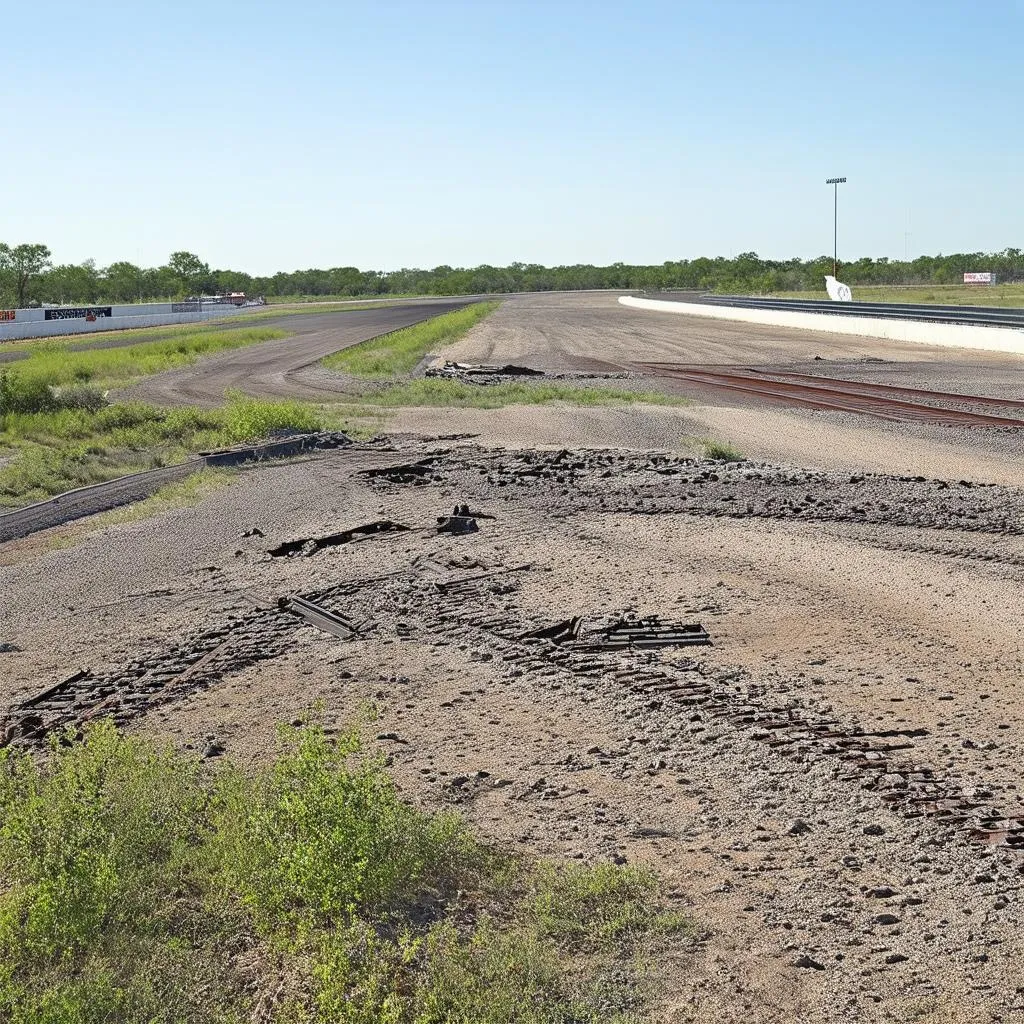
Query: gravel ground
870	596
883	604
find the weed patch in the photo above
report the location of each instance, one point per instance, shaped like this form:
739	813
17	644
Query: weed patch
140	886
722	451
68	448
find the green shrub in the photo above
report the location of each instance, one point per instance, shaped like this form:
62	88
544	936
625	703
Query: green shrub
318	842
721	451
141	887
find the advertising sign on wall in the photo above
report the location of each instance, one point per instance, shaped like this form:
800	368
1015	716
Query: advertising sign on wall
80	313
985	278
7	315
184	307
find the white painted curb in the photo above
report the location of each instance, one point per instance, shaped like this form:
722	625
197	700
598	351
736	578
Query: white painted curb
991	339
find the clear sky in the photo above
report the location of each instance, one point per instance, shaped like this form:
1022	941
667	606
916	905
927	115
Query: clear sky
275	136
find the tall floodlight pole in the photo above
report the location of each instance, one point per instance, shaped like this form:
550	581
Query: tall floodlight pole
835	183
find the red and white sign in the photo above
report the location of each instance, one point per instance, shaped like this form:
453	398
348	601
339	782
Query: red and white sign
985	278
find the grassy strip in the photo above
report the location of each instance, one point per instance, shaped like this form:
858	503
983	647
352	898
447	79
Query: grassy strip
141	887
954	294
27	386
57	451
399	352
437	392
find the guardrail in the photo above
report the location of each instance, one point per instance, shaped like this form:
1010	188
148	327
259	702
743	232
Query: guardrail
973	316
995	330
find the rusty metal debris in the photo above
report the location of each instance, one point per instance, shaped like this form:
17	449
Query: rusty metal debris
560	633
416	473
645	633
317	615
481	373
468	581
306	546
460	521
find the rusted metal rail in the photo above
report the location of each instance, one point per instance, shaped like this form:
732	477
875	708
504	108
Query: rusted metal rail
828	393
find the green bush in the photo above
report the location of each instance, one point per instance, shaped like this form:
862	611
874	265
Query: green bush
142	886
314	841
722	451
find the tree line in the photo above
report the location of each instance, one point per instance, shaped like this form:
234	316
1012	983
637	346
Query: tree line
28	276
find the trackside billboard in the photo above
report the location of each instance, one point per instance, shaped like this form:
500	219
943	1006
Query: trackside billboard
985	278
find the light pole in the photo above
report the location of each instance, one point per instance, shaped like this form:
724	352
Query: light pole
835	183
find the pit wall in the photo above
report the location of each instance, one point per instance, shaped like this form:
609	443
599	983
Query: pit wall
991	339
32	323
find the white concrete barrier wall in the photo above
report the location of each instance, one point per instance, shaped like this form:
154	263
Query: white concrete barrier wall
40	328
992	339
24	316
33	316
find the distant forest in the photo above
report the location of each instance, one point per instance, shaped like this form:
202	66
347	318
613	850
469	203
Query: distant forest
28	276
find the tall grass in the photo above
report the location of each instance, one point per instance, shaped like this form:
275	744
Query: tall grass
140	886
399	352
52	452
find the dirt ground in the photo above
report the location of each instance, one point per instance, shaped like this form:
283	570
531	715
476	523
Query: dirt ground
831	787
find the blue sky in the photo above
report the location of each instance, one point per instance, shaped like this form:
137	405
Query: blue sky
276	136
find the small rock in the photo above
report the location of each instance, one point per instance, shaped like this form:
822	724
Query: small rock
896	958
799	827
806	961
882	892
886	919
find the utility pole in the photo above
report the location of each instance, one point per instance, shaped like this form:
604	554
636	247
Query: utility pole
835	183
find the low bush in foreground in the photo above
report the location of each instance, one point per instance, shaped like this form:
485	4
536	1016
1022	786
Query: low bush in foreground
140	886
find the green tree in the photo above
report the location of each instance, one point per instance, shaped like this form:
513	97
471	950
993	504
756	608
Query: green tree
70	283
123	282
20	264
189	269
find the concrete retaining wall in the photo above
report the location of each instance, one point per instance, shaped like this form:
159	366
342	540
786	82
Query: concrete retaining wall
992	339
154	314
